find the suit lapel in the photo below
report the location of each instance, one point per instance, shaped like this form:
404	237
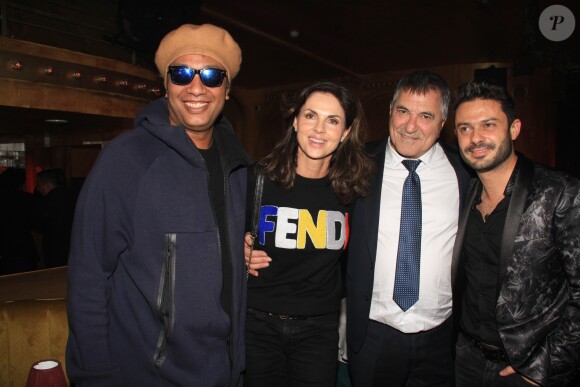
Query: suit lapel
514	214
464	215
373	205
463	176
467	190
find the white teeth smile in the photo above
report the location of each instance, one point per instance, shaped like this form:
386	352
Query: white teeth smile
195	105
316	140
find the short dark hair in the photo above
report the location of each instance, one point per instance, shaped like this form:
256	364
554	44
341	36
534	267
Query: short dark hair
487	89
55	176
422	82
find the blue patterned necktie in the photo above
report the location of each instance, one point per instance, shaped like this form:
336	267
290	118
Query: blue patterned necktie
406	291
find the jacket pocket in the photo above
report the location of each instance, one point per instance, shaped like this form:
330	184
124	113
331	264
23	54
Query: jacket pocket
165	304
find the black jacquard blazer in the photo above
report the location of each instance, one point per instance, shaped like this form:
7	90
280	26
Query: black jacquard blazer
538	303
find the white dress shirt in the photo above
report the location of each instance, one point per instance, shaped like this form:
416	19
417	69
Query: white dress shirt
440	212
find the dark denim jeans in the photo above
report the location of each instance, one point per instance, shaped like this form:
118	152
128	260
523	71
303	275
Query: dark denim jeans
473	370
291	353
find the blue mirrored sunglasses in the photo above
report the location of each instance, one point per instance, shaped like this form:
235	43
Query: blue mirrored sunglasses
183	75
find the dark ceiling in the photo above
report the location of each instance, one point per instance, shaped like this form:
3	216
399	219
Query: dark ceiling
286	42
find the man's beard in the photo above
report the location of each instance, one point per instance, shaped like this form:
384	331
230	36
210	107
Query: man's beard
504	150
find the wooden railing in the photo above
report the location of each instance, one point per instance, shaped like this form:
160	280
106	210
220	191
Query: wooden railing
33	322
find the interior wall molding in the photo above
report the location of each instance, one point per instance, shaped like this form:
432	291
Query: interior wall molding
24	67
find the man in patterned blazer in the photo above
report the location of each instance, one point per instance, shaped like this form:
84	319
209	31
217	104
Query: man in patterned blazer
517	254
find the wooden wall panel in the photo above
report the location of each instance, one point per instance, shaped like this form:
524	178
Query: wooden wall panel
375	95
262	119
78	25
535	100
50	97
28	338
33	322
58	330
4	374
30	331
81	160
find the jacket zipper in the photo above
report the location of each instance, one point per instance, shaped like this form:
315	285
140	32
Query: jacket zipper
226	231
165	299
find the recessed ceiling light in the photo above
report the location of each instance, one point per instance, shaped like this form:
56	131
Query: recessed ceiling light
56	121
294	34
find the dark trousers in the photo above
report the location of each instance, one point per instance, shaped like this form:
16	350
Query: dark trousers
291	353
473	370
391	358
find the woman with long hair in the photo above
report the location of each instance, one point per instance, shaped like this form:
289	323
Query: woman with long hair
312	176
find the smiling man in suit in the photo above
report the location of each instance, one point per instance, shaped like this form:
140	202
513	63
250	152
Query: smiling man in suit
399	283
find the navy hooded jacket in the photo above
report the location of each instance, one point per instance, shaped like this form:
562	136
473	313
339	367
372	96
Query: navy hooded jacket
145	269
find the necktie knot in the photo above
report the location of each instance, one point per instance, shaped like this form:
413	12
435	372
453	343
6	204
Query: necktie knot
411	165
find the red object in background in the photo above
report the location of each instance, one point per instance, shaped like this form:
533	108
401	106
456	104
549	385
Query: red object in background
31	170
46	373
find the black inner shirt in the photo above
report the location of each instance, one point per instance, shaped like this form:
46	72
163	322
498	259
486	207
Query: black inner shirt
482	248
216	181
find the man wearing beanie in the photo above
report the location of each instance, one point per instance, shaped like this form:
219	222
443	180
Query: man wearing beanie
157	281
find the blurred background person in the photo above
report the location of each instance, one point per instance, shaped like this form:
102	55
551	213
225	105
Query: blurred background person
18	251
55	215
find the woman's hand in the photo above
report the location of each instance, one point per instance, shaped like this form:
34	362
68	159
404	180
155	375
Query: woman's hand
259	259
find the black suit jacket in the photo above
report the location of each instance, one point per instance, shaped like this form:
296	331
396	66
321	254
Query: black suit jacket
363	243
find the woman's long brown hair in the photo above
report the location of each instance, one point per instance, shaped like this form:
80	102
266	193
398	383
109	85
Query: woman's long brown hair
350	166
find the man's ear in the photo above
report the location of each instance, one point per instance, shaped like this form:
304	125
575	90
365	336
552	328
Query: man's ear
515	129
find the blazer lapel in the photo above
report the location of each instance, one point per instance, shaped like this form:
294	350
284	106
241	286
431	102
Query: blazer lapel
458	246
514	214
373	206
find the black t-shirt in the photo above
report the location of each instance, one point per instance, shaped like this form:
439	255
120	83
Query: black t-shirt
305	232
216	181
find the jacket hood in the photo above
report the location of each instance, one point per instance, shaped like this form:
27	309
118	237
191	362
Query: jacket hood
154	118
